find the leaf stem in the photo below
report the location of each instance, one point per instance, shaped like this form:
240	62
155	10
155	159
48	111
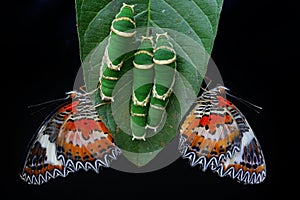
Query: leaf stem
148	18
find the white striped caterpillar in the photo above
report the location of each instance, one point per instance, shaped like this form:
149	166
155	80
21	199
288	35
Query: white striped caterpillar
164	58
122	32
143	74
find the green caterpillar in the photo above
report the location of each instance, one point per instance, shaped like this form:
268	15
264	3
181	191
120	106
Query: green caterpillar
143	74
164	58
123	30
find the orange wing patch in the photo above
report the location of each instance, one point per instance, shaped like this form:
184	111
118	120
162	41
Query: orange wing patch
85	140
70	139
216	135
210	135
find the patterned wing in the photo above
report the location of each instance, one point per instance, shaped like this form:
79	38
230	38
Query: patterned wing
216	135
71	138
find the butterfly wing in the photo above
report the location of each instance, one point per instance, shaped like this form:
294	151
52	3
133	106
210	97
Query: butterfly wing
209	134
71	138
216	135
84	142
41	162
248	164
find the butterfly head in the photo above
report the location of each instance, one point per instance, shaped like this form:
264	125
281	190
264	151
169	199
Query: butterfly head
73	94
221	90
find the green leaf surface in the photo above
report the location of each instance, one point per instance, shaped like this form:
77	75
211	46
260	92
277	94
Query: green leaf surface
192	27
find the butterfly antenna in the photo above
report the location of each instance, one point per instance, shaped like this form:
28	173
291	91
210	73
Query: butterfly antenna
207	82
45	103
254	107
48	102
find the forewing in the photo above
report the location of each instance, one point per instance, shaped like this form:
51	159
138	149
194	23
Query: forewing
71	138
84	142
209	135
216	135
41	163
247	165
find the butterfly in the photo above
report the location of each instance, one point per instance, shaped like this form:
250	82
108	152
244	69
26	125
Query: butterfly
71	138
216	135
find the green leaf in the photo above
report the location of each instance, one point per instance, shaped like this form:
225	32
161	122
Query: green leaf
192	26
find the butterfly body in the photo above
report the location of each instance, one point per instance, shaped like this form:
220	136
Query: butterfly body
73	137
216	135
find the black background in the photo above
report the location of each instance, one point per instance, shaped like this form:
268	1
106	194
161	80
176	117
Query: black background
48	61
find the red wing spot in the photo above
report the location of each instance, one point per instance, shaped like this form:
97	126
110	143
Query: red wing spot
70	107
224	102
212	121
204	121
228	119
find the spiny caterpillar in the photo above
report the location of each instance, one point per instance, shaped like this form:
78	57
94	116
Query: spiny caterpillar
153	81
122	32
164	58
153	72
143	74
